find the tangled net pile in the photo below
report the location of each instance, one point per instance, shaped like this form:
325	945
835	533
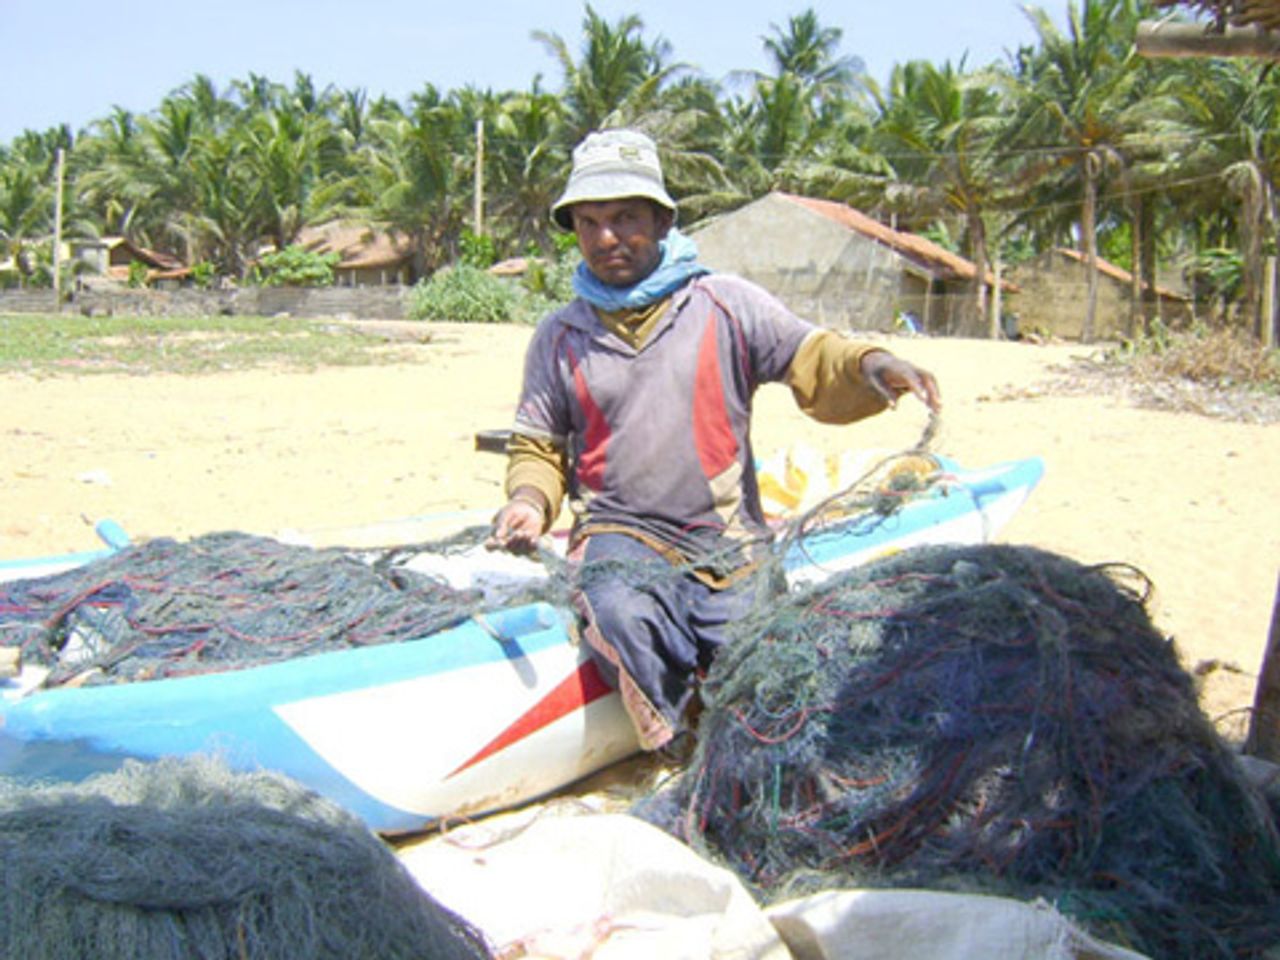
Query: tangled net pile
222	601
232	600
177	859
996	719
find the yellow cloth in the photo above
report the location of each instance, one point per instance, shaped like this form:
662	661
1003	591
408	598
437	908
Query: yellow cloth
826	379
541	464
634	326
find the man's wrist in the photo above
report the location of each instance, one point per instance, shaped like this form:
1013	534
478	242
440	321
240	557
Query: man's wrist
530	496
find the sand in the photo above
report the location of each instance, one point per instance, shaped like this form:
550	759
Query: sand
1189	500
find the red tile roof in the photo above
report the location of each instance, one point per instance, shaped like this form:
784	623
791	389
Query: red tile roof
916	248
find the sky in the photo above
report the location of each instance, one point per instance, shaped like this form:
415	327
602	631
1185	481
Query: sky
73	61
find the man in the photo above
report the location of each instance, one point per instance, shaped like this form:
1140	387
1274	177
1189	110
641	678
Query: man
637	404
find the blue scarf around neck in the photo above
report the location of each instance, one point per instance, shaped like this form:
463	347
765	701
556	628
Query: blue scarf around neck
678	265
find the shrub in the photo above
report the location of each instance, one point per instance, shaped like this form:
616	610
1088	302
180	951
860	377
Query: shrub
204	274
467	294
1216	274
464	294
553	281
295	266
1222	357
477	251
564	243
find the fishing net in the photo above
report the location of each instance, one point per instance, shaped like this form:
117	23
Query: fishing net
230	600
182	859
223	601
994	719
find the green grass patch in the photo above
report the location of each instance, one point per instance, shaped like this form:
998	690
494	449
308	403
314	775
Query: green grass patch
50	345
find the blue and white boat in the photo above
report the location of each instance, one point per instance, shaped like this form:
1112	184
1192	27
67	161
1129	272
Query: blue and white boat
499	710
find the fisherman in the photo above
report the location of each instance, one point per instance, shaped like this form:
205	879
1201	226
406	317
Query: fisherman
636	404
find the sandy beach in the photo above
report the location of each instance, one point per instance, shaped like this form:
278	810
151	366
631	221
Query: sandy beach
1187	499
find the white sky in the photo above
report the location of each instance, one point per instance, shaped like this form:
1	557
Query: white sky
71	62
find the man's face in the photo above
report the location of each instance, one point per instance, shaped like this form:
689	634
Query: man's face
619	238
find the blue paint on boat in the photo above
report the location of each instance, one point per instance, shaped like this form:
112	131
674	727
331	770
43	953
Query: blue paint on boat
71	733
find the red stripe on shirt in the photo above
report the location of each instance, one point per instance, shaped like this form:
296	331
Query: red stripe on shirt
712	431
595	437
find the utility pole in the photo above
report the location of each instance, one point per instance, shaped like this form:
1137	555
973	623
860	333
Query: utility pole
57	234
479	198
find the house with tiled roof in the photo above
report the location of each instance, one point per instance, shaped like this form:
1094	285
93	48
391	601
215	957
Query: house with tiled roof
113	257
367	255
1055	287
840	268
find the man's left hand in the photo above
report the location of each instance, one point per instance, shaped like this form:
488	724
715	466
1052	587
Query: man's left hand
891	377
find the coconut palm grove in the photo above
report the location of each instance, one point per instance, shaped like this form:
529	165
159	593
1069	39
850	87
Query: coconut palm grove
1076	140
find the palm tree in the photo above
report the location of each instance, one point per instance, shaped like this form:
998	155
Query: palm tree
1225	117
143	173
943	132
799	127
351	113
411	174
112	144
213	111
222	225
525	164
807	51
618	78
289	155
257	93
1073	92
690	131
25	214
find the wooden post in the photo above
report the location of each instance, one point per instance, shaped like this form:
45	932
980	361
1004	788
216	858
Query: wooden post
1264	725
1168	38
57	234
479	197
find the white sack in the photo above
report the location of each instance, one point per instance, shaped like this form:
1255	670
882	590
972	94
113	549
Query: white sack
607	886
925	925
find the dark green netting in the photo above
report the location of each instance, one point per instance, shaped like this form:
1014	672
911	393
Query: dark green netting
224	601
230	600
992	718
183	859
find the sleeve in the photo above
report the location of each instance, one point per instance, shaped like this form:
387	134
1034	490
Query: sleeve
540	464
543	409
825	377
536	452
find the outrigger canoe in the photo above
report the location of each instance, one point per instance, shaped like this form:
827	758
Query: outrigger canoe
502	709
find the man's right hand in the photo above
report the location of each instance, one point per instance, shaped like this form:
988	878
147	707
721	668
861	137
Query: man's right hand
518	525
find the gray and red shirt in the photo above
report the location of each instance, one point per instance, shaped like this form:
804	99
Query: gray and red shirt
657	436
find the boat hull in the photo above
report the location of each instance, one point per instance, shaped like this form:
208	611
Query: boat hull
492	713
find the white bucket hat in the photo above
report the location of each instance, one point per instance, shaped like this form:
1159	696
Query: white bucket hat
612	165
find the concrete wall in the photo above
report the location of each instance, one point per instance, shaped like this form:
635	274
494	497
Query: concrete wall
26	301
372	276
823	271
816	267
374	303
1053	296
